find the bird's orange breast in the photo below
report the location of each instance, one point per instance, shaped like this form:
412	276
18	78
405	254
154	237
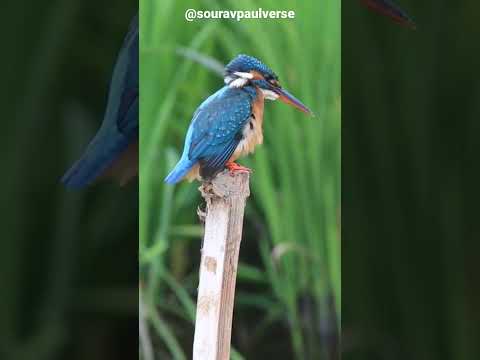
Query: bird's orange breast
252	132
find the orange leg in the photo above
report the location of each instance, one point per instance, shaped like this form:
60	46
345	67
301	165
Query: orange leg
234	167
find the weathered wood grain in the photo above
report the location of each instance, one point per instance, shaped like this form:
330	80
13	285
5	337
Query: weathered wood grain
226	197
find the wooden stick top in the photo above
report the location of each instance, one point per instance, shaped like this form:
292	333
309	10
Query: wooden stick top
226	185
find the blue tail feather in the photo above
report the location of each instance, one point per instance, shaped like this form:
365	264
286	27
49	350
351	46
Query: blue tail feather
96	159
181	169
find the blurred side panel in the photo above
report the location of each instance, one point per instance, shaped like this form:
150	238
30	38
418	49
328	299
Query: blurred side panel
68	260
410	115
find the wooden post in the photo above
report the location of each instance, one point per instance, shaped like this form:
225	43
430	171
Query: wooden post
226	197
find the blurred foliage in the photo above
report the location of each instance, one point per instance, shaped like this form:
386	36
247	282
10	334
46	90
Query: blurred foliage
410	125
288	289
69	280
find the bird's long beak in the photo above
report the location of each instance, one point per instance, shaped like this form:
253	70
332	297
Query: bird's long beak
289	99
390	9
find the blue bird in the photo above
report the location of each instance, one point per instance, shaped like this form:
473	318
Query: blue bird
228	124
390	9
113	151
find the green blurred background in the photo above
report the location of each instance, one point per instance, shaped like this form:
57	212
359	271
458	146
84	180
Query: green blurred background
288	289
68	260
410	146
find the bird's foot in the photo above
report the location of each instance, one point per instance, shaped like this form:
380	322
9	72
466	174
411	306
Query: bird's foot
233	167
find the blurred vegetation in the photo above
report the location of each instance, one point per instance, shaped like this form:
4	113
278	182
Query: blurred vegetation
67	260
410	145
288	289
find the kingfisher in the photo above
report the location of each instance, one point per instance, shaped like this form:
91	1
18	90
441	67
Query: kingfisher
228	124
390	9
114	149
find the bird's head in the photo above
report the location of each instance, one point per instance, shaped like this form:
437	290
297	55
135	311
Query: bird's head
246	70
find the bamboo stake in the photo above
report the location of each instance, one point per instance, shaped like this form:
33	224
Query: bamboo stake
226	198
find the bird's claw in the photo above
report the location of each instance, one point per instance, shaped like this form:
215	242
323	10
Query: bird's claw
235	168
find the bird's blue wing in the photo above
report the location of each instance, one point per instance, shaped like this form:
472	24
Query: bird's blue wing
217	128
119	129
127	116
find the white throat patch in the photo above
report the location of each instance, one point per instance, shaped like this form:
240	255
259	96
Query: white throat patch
269	94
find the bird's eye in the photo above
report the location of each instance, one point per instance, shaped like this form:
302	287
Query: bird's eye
274	82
